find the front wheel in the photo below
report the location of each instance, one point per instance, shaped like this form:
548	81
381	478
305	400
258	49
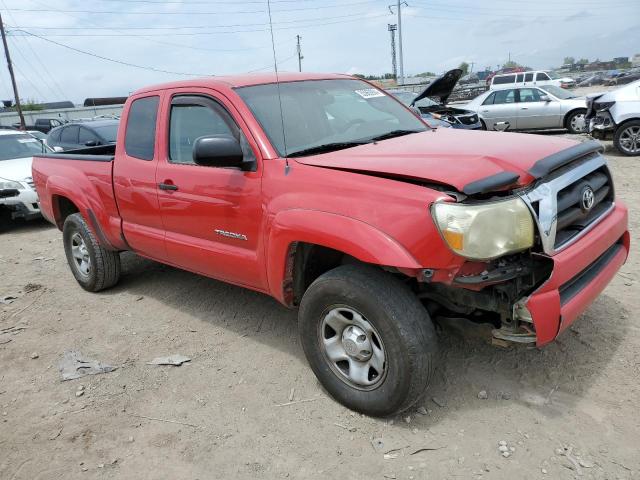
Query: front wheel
368	339
94	267
627	138
576	122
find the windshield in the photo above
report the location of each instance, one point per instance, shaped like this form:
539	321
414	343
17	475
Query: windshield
558	92
20	146
326	112
107	132
553	75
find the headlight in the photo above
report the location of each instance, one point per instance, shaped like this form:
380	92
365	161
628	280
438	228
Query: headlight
7	184
485	231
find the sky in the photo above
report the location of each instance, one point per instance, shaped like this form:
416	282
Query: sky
56	45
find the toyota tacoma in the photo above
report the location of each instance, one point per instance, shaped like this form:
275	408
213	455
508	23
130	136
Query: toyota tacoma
335	198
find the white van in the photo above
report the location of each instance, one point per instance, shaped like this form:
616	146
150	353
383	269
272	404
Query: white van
528	79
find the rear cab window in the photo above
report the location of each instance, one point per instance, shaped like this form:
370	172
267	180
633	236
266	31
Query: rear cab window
140	136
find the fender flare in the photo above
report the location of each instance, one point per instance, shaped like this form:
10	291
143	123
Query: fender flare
58	186
364	242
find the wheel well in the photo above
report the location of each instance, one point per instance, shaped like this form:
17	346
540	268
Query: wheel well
305	263
62	208
571	112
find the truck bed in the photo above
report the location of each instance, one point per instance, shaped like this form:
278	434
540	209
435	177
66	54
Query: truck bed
60	176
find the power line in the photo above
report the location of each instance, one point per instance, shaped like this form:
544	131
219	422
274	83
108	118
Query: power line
181	27
297	27
119	12
121	62
39	78
42	65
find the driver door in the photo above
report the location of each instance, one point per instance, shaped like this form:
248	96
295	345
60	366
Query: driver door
212	216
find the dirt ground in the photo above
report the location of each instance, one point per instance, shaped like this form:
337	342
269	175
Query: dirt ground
569	410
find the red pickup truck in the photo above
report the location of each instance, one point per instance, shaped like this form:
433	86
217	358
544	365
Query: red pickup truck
331	196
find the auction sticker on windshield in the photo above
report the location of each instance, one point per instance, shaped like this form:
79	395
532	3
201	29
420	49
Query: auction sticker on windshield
26	140
369	93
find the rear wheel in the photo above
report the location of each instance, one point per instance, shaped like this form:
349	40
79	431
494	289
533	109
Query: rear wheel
576	122
368	339
94	267
627	138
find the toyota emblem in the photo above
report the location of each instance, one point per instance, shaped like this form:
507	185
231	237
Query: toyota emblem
588	199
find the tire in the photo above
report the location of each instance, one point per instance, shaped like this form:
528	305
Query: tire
483	125
400	327
627	138
572	123
99	268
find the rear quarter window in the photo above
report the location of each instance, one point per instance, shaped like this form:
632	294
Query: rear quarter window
140	137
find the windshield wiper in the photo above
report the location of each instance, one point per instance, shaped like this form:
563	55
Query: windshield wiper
327	147
393	134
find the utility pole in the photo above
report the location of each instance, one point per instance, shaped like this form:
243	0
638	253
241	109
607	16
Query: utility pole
398	6
300	57
392	30
13	78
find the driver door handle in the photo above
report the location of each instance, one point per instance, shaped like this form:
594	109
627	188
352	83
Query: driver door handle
524	108
167	186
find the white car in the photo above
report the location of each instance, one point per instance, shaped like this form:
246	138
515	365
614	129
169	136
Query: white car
536	78
16	153
530	108
617	114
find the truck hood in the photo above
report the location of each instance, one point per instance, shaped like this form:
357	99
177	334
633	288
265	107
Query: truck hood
16	169
441	87
445	156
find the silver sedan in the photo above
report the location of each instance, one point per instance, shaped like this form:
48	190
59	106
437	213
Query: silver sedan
530	108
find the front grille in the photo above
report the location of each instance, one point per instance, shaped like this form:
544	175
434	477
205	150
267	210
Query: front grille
571	201
573	216
29	181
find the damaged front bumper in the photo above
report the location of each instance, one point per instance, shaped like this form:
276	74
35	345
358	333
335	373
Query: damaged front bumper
580	273
602	125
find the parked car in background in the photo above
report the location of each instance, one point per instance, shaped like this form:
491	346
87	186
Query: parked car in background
44	125
38	134
533	78
431	103
16	153
623	78
616	115
531	108
594	79
76	135
407	98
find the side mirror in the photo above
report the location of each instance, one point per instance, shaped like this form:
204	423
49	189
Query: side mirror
58	149
218	151
545	98
91	143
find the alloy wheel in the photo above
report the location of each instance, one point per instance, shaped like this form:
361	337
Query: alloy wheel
629	139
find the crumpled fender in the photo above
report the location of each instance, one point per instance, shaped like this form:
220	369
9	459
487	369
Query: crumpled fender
349	235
